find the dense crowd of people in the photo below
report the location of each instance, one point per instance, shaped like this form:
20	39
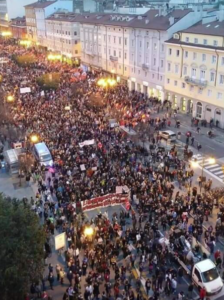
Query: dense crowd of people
103	266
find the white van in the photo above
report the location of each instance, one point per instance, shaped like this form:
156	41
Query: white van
205	274
43	154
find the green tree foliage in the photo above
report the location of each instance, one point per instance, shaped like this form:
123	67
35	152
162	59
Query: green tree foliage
49	81
25	59
21	248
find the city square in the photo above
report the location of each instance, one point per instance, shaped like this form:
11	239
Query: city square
112	164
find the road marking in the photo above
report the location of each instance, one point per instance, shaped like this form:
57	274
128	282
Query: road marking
210	147
222	176
215	167
220	172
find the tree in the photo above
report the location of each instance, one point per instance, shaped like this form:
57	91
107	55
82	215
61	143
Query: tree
21	248
25	59
49	81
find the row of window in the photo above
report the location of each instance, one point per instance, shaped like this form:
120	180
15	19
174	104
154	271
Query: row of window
195	56
66	32
200	90
204	42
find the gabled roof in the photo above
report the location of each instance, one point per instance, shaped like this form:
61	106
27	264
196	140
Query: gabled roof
40	4
150	20
215	28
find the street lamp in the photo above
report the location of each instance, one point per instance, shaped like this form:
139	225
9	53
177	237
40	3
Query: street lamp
67	107
34	138
195	164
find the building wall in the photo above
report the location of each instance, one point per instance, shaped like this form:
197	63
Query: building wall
195	76
63	37
31	23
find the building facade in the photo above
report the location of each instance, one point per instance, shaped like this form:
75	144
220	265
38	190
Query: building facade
18	28
195	71
133	47
37	12
63	34
11	9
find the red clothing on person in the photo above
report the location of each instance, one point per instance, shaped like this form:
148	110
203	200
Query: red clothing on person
202	293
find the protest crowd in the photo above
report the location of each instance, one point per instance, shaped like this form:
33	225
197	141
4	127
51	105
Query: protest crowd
128	243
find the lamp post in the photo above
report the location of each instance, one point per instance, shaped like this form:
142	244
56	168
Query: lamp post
195	163
10	99
34	138
88	233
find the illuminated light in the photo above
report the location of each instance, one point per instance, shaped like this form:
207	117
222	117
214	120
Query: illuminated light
25	43
194	164
67	107
10	98
6	33
211	160
34	138
54	57
88	231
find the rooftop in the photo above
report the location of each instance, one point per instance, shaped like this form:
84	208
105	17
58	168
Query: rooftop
215	28
40	4
152	19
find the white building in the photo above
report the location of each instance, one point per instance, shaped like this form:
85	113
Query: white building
40	11
132	47
63	34
11	9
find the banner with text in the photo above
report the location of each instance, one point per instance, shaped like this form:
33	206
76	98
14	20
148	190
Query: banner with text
104	201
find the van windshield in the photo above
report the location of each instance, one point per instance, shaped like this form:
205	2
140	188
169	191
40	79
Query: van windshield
210	275
45	157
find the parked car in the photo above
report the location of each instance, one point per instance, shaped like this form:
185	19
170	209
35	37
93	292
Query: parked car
168	135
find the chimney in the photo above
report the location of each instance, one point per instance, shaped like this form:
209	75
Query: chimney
160	11
171	20
221	15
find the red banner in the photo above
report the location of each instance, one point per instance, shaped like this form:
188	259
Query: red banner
104	201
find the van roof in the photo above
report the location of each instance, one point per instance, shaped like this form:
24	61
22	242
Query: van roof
41	148
205	265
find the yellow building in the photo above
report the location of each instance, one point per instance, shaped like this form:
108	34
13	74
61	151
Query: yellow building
194	79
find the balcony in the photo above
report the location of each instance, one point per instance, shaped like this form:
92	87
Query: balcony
113	58
89	52
145	67
197	82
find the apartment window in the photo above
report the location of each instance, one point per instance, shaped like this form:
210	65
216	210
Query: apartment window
221	79
212	76
132	42
178	53
219	95
162	47
187	39
125	55
161	64
176	68
161	78
114	39
76	51
185	70
175	82
186	54
168	80
222	61
195	40
147	45
213	59
125	41
120	54
202	74
203	57
154	61
170	51
200	90
75	32
215	43
109	38
193	72
209	93
205	42
194	56
155	46
183	85
169	67
114	52
140	44
76	42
